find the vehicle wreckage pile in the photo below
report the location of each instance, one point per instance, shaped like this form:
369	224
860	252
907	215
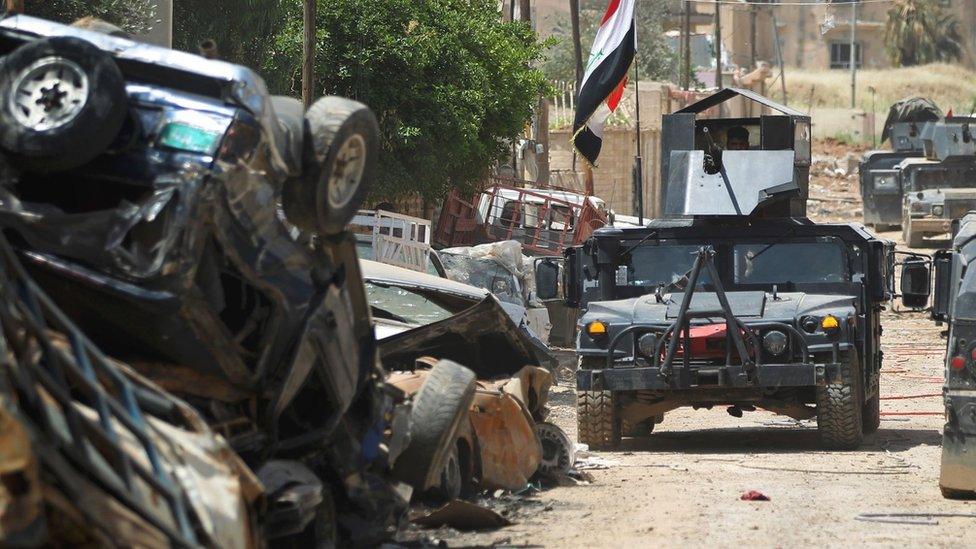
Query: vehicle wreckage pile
189	346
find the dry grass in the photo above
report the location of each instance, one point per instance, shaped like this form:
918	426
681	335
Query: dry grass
950	86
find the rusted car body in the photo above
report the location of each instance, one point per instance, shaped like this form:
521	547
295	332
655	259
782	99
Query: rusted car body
93	453
545	221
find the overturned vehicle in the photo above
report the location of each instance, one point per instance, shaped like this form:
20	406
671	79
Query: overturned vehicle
195	227
880	192
735	298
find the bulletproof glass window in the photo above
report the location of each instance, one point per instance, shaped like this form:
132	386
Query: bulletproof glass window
655	264
790	262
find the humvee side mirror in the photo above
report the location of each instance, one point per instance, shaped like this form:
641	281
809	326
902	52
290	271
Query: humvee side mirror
941	295
915	282
547	278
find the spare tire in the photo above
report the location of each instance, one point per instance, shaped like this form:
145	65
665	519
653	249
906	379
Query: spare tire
439	407
339	166
62	103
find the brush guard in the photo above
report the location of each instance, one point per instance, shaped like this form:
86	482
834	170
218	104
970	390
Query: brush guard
749	372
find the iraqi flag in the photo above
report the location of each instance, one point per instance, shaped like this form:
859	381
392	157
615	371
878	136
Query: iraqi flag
605	77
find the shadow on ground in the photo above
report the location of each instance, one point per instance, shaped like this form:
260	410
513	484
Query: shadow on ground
772	440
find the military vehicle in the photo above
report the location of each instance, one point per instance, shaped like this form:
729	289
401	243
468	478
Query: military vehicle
954	303
942	186
880	192
734	297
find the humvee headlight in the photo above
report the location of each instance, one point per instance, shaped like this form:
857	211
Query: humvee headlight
596	329
647	345
830	323
938	210
775	342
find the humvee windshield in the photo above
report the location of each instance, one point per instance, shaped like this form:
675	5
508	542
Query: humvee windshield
786	263
942	178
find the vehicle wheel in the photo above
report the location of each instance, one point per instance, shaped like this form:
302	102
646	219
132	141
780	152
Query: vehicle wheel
438	409
839	408
340	165
641	429
451	481
871	412
912	238
597	419
63	103
558	454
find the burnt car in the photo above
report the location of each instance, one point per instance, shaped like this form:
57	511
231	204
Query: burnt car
880	192
954	303
734	299
942	186
195	226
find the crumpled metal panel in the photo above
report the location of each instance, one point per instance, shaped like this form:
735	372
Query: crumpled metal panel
509	447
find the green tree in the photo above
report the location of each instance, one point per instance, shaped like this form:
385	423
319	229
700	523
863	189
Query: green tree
655	60
449	82
919	32
134	16
242	29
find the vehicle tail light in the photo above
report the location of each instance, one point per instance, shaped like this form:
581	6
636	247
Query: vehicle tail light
958	362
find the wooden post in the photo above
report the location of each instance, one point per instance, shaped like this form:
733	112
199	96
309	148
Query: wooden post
15	6
542	136
308	53
717	40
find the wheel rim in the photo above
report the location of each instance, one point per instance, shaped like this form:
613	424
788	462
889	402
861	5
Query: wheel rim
451	475
49	93
347	171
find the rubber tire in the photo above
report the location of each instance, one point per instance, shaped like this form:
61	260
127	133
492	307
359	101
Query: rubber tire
79	141
331	121
439	407
839	408
597	419
871	412
450	484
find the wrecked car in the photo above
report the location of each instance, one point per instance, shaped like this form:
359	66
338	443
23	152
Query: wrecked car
942	186
194	226
953	303
736	299
880	192
95	454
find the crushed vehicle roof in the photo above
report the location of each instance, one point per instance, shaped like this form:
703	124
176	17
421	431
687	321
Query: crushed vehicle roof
726	94
374	271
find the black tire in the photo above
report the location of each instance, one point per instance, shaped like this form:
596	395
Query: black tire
439	407
597	419
40	145
871	412
839	408
339	167
451	482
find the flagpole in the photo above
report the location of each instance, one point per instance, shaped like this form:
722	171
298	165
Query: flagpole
638	161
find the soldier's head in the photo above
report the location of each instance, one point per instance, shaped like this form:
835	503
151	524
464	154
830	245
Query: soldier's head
737	139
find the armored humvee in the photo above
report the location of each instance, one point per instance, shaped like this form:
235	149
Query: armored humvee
954	303
942	186
734	297
880	193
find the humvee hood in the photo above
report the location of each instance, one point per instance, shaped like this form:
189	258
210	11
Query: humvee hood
745	305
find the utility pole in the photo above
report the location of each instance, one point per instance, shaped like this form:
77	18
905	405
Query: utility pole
752	36
15	6
718	45
577	45
686	27
308	53
853	56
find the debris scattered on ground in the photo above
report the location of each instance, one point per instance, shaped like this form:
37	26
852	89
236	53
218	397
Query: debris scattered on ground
462	515
923	519
753	495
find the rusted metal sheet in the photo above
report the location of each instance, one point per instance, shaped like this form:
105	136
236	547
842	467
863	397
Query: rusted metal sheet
509	448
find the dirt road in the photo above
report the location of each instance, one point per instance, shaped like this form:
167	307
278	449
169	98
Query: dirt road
682	486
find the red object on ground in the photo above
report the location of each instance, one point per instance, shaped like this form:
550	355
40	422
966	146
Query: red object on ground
753	495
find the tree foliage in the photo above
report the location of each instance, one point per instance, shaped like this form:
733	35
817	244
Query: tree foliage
655	60
447	79
919	32
133	16
242	29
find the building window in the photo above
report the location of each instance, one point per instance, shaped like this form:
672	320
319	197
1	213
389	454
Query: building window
840	55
